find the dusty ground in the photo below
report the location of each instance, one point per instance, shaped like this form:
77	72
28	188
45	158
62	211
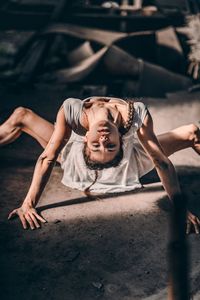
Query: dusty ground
109	248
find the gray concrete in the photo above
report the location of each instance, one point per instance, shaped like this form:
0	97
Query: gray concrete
108	248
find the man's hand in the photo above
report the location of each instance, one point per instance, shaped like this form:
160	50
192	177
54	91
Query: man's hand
28	216
192	222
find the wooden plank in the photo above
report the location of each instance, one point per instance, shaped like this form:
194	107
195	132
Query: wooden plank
30	22
104	37
90	18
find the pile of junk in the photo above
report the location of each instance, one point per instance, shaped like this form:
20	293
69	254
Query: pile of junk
132	48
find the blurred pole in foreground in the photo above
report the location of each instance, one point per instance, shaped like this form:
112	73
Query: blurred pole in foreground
178	252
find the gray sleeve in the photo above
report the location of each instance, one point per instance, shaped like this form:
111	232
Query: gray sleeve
69	109
72	110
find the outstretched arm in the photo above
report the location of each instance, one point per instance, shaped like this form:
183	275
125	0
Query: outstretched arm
163	165
43	168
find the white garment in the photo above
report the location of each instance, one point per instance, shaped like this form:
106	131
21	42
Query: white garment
124	177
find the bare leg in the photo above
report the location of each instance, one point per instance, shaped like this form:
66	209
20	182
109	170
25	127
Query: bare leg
25	120
180	138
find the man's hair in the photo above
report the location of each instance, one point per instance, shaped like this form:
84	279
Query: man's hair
96	165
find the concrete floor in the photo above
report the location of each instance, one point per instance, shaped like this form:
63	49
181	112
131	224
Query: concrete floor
108	248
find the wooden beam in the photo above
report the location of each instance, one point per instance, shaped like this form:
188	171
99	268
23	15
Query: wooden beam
35	20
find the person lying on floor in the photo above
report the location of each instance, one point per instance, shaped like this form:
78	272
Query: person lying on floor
104	145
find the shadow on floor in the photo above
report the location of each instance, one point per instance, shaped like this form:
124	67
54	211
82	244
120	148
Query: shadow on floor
117	257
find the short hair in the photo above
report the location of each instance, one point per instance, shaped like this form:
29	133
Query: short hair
96	165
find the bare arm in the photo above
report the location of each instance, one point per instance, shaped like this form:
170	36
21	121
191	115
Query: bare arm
163	165
43	168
